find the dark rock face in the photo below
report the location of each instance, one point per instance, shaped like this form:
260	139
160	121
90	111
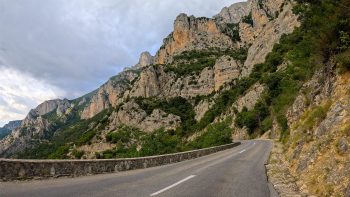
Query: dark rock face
343	146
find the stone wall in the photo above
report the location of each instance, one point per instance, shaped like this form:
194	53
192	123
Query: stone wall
40	169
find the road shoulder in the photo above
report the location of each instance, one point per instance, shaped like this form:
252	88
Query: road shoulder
279	175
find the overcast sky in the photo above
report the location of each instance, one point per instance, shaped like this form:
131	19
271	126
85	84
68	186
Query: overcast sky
66	48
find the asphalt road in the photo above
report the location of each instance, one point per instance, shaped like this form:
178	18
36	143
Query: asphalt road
235	172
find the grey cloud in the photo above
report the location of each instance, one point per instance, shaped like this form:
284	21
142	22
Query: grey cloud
78	44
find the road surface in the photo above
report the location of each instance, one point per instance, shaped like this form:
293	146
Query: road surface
239	171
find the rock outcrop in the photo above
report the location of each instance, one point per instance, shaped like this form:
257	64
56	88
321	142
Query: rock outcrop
266	31
130	114
110	94
234	13
225	70
48	106
146	59
250	98
192	33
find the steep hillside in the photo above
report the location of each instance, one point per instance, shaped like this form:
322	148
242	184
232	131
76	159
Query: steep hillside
184	97
7	128
180	99
262	68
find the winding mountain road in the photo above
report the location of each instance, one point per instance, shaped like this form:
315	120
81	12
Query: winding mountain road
239	171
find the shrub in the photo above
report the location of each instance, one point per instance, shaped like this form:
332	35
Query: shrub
248	19
232	30
315	115
252	119
216	134
78	154
343	61
266	124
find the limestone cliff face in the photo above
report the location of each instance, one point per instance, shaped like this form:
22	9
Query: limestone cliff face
267	30
20	139
192	33
225	70
234	13
146	59
48	106
34	127
110	94
132	115
154	82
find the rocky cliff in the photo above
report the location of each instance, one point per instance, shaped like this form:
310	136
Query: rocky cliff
255	69
7	128
200	58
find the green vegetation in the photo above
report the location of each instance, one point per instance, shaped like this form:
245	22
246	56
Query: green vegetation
252	119
232	30
343	60
193	62
216	134
128	139
303	53
123	135
190	68
65	134
177	106
313	116
248	19
51	116
78	154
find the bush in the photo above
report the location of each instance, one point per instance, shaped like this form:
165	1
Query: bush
78	154
232	30
315	115
248	19
177	106
266	124
160	142
252	119
343	61
124	134
217	134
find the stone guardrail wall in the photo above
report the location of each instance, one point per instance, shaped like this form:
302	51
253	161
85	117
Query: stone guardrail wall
13	169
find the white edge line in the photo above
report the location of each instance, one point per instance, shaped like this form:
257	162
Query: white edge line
173	185
242	151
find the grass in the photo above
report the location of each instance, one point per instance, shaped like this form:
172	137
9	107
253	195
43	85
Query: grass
314	116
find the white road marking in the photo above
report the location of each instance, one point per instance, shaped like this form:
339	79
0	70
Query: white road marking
254	143
242	151
173	185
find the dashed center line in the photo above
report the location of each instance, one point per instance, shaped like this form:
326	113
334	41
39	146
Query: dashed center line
173	185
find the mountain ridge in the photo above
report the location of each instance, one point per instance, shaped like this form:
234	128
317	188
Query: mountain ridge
280	72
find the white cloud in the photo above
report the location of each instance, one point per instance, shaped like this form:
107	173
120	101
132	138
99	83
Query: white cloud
20	92
75	45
